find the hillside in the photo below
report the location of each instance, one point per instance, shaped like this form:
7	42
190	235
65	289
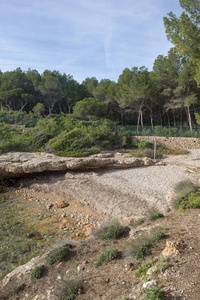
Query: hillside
176	274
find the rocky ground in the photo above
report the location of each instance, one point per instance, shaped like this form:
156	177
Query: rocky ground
91	199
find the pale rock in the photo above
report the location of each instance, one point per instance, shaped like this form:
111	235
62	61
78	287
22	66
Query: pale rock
171	248
151	271
150	283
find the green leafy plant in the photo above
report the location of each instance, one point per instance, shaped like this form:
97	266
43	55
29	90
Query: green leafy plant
38	271
19	288
59	254
142	269
187	195
106	256
154	293
113	230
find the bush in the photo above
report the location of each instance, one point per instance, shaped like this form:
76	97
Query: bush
38	271
112	231
69	289
187	195
144	144
59	254
155	215
106	257
142	269
154	293
157	237
139	248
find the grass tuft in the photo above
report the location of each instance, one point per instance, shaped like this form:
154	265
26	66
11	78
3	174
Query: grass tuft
113	230
38	271
106	256
20	287
59	254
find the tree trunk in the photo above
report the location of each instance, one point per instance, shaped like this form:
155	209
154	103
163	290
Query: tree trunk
138	122
141	119
168	119
189	117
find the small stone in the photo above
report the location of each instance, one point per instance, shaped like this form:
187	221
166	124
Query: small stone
62	204
151	271
148	284
49	206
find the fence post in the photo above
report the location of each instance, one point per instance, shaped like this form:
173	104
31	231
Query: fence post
154	147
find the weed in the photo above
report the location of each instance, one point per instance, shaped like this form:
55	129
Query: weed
155	216
126	298
112	231
19	288
140	221
85	250
37	272
59	254
154	293
69	289
106	257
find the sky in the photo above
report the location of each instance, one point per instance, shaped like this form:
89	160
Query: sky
83	38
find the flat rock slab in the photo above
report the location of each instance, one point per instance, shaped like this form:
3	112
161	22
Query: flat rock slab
18	164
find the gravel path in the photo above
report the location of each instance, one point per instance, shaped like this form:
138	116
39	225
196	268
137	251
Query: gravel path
126	194
133	192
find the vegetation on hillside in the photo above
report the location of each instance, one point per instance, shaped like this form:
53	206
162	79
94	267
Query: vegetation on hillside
70	118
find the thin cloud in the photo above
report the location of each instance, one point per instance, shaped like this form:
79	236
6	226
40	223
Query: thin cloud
83	37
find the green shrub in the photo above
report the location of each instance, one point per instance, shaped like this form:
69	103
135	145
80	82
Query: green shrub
38	271
154	293
140	221
106	257
112	231
144	144
185	186
139	248
142	269
158	237
155	216
193	200
187	195
69	289
59	254
19	288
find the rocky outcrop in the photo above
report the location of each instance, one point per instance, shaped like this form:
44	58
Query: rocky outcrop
18	164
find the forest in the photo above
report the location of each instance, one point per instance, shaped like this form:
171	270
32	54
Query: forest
169	95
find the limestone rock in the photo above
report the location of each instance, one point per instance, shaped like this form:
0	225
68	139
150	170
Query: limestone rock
18	164
148	161
171	248
148	284
170	198
23	269
151	271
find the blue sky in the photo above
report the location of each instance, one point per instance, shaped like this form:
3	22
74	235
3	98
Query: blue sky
83	38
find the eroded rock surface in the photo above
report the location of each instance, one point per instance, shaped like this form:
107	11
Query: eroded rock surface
18	164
